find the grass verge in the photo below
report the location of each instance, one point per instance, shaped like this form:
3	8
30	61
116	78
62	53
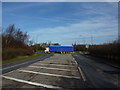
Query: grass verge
40	50
20	58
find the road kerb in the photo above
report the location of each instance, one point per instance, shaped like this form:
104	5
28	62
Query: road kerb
80	71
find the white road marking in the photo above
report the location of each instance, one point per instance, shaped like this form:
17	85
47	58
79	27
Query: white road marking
31	83
73	58
54	65
9	72
76	62
79	69
83	77
52	68
56	75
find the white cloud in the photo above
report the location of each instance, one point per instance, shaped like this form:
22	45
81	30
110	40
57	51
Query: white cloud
97	27
101	24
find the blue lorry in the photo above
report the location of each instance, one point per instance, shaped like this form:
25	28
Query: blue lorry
61	49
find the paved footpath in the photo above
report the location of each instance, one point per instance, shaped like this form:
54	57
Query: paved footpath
60	71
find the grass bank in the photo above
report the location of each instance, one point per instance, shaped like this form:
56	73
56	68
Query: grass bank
20	58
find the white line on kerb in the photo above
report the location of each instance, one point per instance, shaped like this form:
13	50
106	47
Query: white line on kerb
83	77
73	59
56	75
79	69
76	63
52	68
31	83
54	65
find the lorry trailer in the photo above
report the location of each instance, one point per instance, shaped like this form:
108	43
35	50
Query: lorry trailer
61	49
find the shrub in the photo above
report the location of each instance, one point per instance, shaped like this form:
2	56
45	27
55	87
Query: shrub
9	53
109	51
14	43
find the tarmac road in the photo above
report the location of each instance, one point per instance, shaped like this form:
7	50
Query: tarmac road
59	71
63	71
100	75
15	65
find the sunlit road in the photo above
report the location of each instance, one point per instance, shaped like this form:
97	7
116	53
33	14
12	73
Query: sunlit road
99	74
59	71
15	65
63	71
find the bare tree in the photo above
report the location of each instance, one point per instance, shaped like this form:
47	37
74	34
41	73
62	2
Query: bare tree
14	37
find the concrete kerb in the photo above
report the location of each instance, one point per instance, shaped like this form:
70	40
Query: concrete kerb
80	70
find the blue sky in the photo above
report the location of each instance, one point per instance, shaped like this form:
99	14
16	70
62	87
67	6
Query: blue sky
0	15
64	22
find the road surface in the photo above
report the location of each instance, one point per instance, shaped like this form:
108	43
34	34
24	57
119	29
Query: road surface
101	75
15	65
59	71
63	71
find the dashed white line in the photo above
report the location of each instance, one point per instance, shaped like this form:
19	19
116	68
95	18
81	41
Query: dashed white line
73	58
83	77
75	61
49	74
31	83
52	68
10	72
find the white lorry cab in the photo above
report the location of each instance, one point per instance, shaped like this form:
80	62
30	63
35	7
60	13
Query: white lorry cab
47	50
